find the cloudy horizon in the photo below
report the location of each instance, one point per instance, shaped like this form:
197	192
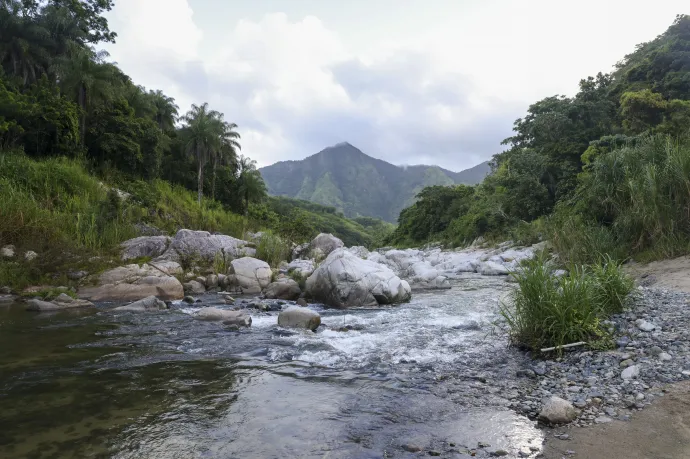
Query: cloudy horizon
416	82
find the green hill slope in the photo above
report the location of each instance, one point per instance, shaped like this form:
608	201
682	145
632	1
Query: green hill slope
359	185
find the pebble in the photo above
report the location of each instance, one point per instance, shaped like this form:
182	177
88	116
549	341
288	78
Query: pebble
602	420
664	357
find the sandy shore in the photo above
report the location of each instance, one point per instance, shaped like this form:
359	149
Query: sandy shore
669	274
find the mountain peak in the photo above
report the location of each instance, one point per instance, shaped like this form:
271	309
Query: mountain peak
346	178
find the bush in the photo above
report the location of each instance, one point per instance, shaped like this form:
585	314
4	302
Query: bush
272	249
548	311
579	243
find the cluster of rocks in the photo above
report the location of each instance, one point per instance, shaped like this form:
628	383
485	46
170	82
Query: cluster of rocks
9	251
588	387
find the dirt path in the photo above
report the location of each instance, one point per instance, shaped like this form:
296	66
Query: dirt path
669	274
661	431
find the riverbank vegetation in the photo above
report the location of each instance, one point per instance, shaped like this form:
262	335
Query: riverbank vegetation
88	158
604	172
554	309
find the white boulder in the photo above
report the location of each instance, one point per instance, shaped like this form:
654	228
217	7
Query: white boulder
558	411
134	282
299	317
144	246
202	244
251	275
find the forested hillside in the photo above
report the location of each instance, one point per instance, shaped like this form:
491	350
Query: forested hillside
88	158
607	170
357	184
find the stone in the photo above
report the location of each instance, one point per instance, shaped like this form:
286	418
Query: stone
558	411
251	275
299	317
194	287
144	246
323	244
302	267
189	299
283	289
188	244
344	280
664	357
77	275
411	448
212	281
7	251
238	318
7	299
655	350
30	255
61	302
150	303
631	372
134	282
602	420
492	268
498	453
302	302
359	251
644	325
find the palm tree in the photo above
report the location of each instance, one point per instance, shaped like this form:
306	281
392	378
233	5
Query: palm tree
204	138
226	155
251	185
84	75
166	109
23	43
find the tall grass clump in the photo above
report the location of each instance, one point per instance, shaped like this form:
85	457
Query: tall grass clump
641	192
272	249
546	310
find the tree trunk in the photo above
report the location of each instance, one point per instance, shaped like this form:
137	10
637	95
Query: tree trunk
213	179
82	120
200	179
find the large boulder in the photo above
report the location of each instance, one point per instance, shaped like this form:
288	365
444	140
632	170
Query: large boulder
134	282
558	411
59	303
150	303
195	287
283	289
251	275
144	246
299	317
344	280
302	267
222	315
204	245
323	244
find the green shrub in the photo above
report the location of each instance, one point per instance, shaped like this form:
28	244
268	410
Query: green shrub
579	243
299	278
547	310
272	249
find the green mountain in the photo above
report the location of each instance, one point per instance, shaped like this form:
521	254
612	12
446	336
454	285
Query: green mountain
359	185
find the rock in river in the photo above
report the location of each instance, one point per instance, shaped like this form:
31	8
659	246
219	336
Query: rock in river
558	411
283	289
299	317
62	301
134	282
225	316
251	274
150	303
344	280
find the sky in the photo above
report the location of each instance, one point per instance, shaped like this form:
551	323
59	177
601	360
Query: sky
407	81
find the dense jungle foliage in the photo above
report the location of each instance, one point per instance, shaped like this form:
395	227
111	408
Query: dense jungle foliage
605	171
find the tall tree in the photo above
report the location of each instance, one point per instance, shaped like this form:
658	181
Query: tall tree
251	184
226	154
203	138
166	110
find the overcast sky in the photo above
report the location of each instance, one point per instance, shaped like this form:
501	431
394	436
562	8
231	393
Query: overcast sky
407	81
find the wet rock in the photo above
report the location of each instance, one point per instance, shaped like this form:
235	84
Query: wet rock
238	318
6	300
344	280
302	302
492	268
211	281
144	246
150	303
283	289
498	453
189	299
558	411
252	275
134	282
62	301
194	287
299	317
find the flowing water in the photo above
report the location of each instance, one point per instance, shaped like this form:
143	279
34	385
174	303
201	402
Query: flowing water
97	384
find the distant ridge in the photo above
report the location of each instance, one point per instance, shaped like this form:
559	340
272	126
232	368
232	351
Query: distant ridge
344	177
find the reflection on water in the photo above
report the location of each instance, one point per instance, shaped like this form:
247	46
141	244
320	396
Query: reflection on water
161	385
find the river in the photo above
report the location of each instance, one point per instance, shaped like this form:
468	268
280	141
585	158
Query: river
99	384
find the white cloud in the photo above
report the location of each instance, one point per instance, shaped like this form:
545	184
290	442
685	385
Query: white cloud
445	92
